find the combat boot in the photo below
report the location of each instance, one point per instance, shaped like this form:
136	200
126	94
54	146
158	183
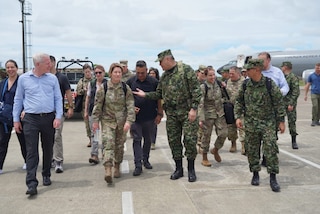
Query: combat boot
216	155
108	175
233	147
116	172
178	173
255	179
273	183
205	161
191	173
243	150
294	143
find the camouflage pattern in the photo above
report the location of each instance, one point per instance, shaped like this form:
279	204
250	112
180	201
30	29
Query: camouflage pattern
113	109
253	63
291	99
126	76
82	88
211	113
260	122
180	91
233	90
163	54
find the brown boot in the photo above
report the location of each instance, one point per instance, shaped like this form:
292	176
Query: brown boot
233	147
108	175
205	161
116	172
243	151
94	159
215	152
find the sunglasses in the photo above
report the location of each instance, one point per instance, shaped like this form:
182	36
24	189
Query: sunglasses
98	72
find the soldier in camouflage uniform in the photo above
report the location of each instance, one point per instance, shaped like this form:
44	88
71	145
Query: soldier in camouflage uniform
181	94
114	107
290	101
127	74
233	85
82	88
212	114
263	116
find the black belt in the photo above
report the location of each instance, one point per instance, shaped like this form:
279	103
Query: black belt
41	114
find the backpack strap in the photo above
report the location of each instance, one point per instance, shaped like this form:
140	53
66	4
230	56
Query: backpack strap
223	90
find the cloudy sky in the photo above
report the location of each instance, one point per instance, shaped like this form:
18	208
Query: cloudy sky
205	32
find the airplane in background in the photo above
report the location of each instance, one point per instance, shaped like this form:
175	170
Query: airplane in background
301	60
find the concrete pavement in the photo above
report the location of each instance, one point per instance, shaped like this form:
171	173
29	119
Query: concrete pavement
223	188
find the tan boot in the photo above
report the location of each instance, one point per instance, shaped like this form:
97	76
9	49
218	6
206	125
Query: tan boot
205	161
215	152
108	175
243	151
116	172
233	147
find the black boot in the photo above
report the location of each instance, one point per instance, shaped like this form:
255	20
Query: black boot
191	173
178	173
255	179
273	183
264	161
294	143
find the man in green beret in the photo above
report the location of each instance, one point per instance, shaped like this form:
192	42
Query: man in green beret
181	94
264	113
290	100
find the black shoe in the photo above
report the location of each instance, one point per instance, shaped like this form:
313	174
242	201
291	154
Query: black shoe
177	174
273	183
255	179
46	181
295	145
137	171
147	165
192	176
32	191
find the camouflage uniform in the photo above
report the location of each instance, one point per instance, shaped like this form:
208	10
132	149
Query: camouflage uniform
291	99
211	113
180	91
82	88
113	109
260	122
233	90
127	76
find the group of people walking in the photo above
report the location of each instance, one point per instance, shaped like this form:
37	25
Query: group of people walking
135	103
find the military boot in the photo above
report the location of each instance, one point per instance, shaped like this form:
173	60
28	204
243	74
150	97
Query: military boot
205	161
116	172
233	147
273	183
108	175
294	143
243	150
178	173
216	155
255	179
191	173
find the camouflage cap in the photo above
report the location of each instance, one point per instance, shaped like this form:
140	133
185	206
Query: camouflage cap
253	63
202	68
288	64
163	54
225	70
123	62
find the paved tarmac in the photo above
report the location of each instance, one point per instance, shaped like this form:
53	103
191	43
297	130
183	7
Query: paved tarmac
223	188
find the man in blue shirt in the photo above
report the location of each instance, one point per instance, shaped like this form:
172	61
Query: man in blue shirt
38	94
148	115
274	73
314	81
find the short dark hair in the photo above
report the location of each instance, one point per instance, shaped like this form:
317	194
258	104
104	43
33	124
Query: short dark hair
141	64
12	61
86	66
52	58
265	53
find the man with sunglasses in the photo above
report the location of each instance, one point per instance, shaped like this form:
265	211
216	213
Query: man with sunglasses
148	115
181	94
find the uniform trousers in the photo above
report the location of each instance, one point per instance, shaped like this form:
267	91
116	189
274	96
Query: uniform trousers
4	142
33	126
94	143
315	99
176	124
141	130
58	146
292	118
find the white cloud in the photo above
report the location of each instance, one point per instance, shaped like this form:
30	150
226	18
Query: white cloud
198	32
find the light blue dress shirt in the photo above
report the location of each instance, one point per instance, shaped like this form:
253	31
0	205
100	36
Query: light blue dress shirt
37	95
278	77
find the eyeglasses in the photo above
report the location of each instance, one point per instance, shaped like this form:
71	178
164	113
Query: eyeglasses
98	72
